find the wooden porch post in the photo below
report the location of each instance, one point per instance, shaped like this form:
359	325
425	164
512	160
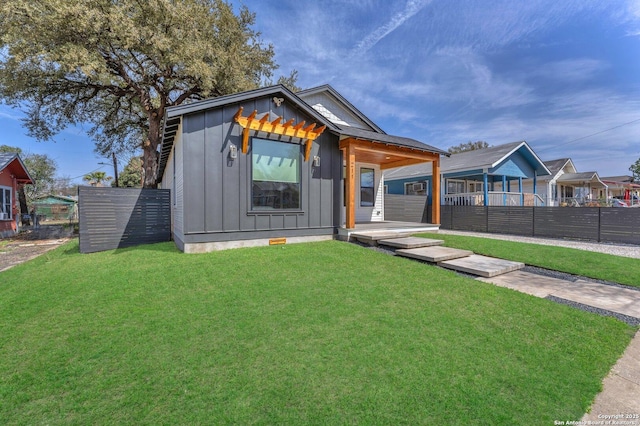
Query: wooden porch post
350	187
435	191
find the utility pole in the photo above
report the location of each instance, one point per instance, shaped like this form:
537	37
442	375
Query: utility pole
115	168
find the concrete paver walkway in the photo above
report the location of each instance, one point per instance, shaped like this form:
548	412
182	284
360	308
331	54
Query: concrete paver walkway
616	299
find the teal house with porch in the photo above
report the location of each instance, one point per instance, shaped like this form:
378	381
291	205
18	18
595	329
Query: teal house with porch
487	177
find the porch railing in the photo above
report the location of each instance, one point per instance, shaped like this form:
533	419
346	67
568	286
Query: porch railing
496	198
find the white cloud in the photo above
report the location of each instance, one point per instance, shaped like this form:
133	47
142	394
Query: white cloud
10	114
570	70
410	9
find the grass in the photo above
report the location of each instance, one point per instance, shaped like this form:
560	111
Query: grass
618	269
319	333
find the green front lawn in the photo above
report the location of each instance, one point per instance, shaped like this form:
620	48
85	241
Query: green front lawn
322	333
618	269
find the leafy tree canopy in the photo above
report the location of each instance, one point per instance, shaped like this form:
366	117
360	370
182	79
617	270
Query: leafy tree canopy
468	146
116	65
635	169
131	175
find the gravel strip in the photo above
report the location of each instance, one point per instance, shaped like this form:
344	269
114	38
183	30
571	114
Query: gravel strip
624	250
603	312
573	278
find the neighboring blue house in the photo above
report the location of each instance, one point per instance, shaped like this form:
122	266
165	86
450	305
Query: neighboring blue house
490	176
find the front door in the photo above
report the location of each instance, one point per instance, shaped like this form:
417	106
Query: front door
369	194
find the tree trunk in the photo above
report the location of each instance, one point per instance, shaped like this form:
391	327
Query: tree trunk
150	151
22	199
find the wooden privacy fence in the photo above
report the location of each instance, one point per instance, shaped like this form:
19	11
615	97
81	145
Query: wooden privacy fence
603	224
111	218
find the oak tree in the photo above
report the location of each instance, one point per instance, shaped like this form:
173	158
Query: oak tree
115	66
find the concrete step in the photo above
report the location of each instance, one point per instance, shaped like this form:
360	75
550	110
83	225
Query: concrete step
410	242
372	237
483	266
433	254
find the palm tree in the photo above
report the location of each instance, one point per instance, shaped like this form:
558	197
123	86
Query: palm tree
97	178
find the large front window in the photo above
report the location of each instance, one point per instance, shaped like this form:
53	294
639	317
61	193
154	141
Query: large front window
275	171
5	203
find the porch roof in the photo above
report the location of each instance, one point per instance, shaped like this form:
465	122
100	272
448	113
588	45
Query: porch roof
383	138
581	179
474	163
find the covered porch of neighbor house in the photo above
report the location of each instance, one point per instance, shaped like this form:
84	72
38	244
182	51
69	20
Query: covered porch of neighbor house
365	157
489	190
491	176
581	189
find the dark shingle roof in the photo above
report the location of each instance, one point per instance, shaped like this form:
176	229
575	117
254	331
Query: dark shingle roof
555	166
389	139
174	114
582	176
486	158
328	89
6	158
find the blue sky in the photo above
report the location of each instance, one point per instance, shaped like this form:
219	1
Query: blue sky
563	75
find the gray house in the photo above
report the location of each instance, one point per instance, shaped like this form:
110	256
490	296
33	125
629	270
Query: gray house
269	166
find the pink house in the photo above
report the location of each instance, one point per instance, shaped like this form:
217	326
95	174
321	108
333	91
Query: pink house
13	175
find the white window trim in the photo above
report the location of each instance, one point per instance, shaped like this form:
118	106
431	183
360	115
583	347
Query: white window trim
475	183
2	202
463	182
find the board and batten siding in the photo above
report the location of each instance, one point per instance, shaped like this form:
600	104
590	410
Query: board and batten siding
173	179
217	189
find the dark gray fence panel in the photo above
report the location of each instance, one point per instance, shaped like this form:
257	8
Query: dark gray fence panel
405	208
469	218
613	225
510	220
620	225
111	218
579	223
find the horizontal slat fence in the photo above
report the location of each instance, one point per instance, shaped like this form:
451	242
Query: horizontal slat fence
603	224
405	208
111	218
